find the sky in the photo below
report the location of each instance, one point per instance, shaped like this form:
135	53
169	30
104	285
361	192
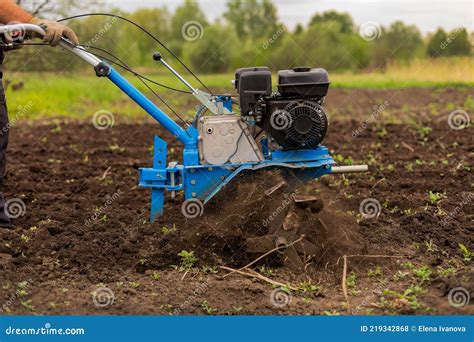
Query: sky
428	15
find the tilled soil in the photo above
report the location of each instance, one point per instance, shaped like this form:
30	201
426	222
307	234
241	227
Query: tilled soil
84	244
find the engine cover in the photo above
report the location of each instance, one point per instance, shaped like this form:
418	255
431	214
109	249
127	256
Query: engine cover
226	139
298	124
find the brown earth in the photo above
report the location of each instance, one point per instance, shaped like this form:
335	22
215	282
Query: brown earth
85	226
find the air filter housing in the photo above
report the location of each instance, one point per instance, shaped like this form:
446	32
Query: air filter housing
304	82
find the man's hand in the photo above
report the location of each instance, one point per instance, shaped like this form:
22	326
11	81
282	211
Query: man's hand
54	31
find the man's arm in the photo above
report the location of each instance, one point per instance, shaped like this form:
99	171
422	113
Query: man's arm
9	12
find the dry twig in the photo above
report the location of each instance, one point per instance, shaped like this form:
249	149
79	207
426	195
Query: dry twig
105	173
253	274
267	254
344	282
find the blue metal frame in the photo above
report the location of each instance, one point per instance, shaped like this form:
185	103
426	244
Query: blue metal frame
204	181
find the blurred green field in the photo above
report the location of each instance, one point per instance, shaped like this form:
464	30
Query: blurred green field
79	95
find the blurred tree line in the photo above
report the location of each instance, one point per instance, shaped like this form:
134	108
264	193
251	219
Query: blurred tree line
249	33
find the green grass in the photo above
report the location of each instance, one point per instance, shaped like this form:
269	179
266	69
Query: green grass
80	95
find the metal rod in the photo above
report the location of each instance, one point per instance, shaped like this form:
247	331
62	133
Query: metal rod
349	168
80	52
168	123
170	68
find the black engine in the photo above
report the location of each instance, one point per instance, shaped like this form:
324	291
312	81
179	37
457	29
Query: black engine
293	115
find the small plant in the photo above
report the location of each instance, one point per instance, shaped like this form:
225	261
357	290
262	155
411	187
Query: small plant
430	246
150	149
434	197
349	161
21	292
134	284
156	276
52	305
345	181
107	181
423	273
116	148
446	272
381	133
351	280
467	254
331	313
237	308
56	129
339	158
377	272
440	212
265	271
210	269
27	304
166	306
143	261
187	260
308	286
24	238
167	230
408	297
207	309
22	285
424	131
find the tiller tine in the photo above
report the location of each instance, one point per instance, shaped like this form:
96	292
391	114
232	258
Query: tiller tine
285	233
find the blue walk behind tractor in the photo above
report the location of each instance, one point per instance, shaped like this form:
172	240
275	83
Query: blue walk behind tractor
280	129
